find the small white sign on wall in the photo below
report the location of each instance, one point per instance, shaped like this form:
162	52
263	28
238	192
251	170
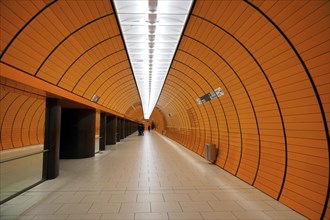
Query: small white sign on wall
209	96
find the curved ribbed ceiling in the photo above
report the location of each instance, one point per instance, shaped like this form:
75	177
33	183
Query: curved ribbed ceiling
271	58
76	46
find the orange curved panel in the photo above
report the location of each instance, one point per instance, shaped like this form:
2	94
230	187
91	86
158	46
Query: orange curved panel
19	117
270	59
76	46
159	117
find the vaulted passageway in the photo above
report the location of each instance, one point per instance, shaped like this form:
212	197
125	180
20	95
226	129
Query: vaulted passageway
270	59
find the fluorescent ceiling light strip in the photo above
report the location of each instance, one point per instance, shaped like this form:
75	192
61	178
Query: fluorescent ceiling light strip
151	31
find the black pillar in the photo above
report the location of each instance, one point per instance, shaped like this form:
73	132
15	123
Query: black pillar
52	138
129	127
77	133
118	129
126	128
103	121
111	130
122	133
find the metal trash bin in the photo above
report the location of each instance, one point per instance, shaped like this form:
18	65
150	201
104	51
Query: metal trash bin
211	152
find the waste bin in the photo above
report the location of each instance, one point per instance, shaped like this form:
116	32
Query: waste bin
211	152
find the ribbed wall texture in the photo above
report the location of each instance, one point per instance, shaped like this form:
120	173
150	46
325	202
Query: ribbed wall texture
159	121
75	46
22	115
271	58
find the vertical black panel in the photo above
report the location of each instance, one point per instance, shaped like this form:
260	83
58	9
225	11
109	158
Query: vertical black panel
103	121
130	128
118	129
111	133
52	138
122	128
77	133
126	128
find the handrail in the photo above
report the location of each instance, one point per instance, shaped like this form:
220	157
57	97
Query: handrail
22	156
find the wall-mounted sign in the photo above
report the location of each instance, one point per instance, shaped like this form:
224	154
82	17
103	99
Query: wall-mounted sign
95	98
209	96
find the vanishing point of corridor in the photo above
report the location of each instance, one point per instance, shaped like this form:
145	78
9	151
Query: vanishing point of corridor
144	177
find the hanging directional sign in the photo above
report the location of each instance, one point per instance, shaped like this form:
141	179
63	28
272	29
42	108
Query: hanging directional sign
209	96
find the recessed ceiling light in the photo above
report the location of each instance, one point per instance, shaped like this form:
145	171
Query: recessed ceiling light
151	31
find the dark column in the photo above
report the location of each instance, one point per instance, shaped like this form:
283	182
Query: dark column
122	133
52	138
77	133
129	127
103	121
118	129
111	129
126	128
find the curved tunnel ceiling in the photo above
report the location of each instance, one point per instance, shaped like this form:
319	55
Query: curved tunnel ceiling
74	46
271	58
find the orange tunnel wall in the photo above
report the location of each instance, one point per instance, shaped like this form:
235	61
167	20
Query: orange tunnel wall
271	58
73	55
22	115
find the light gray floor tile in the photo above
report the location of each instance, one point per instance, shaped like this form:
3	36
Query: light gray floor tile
95	199
85	216
202	197
73	209
144	177
131	197
44	209
68	199
253	215
118	216
255	205
177	197
135	207
16	217
185	215
151	216
284	215
229	196
165	207
101	208
150	198
50	217
195	207
16	209
221	206
218	215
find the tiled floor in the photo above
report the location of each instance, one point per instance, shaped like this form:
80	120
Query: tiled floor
147	177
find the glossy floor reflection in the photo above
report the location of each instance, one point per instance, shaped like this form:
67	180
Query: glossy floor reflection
144	177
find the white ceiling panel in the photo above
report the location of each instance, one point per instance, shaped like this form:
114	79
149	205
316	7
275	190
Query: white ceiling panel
151	31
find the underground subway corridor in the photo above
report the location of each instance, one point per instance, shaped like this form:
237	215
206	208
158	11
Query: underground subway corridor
164	109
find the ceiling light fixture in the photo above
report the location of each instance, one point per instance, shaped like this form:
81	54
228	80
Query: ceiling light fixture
151	30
